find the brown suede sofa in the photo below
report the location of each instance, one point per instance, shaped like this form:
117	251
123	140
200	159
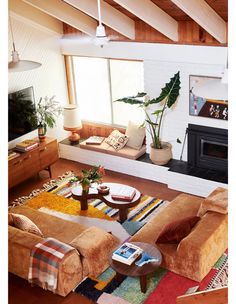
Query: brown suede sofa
196	254
93	248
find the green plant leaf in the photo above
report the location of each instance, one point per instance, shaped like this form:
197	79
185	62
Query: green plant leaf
151	122
178	141
132	99
157	112
170	91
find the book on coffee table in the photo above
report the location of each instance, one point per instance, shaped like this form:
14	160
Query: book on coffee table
127	253
94	140
123	194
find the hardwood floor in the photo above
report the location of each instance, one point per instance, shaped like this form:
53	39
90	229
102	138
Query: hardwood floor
20	291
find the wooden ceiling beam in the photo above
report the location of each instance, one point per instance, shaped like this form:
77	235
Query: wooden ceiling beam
151	14
205	16
67	14
110	16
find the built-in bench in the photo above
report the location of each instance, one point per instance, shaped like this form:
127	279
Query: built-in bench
141	167
104	131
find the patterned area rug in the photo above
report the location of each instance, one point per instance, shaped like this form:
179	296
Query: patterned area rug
53	195
163	286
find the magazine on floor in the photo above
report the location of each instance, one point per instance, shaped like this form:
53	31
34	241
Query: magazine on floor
127	253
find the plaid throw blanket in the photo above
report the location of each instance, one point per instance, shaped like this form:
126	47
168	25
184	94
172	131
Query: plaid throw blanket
44	262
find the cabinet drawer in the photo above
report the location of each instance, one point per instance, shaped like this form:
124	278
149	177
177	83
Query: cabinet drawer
31	163
16	172
48	154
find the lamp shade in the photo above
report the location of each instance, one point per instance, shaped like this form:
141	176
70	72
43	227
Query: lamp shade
71	118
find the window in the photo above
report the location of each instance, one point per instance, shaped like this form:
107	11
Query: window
99	82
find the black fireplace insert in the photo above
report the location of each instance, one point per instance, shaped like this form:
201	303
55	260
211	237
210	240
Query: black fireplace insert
208	147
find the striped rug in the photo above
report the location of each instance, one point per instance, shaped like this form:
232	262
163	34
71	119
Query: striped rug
143	212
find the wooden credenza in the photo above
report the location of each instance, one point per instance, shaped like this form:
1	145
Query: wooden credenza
31	162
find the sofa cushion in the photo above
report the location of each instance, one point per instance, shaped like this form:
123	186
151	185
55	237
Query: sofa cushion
24	223
117	140
175	231
217	201
136	135
51	226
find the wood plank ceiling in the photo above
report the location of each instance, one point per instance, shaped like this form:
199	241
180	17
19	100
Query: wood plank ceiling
185	22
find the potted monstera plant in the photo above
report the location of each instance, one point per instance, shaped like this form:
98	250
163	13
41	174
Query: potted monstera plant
161	152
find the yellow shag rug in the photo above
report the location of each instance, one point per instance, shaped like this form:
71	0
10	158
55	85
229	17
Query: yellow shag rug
64	205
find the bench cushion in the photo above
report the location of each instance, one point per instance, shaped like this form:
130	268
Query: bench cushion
126	152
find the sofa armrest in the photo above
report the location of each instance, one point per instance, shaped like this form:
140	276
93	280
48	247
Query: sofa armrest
213	227
96	246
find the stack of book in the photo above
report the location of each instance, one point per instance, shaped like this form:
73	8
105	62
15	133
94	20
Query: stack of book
12	154
26	145
123	194
127	253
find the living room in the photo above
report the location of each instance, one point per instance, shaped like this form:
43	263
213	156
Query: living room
180	60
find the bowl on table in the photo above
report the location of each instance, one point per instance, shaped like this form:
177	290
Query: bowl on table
103	189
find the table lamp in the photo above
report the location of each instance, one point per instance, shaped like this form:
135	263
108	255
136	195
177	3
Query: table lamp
72	122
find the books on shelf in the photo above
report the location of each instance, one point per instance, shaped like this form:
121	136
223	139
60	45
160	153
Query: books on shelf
26	145
12	154
123	193
94	140
127	253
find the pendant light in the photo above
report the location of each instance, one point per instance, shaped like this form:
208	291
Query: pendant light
17	65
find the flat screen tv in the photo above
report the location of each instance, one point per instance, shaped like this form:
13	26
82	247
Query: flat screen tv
22	117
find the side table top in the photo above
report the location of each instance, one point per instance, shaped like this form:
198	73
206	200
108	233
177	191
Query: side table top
134	270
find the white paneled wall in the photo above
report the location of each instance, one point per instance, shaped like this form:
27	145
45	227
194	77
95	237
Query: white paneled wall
156	74
34	43
162	61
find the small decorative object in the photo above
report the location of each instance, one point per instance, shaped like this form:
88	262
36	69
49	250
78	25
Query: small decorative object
208	97
160	152
47	110
72	122
103	189
87	177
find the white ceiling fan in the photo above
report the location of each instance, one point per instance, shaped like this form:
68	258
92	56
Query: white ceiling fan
100	38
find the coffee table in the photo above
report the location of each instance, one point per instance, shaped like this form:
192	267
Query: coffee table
123	206
138	271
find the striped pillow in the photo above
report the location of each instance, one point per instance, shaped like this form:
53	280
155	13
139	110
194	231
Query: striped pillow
24	223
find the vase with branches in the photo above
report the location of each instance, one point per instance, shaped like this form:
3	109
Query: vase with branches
166	99
47	109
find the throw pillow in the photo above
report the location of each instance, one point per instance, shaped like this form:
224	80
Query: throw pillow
217	201
174	232
117	140
24	223
136	135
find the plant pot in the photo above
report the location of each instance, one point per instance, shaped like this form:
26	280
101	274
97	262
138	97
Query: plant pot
161	156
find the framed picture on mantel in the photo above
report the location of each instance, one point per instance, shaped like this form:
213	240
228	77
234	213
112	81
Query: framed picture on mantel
208	97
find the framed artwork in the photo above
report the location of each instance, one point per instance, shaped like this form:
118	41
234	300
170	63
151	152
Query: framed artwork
208	97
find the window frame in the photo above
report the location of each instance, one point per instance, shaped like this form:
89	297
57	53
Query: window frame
70	76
